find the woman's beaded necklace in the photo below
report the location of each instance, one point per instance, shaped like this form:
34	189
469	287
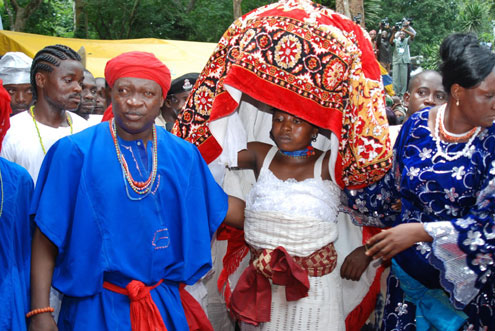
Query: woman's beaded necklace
141	188
299	154
439	127
69	121
449	136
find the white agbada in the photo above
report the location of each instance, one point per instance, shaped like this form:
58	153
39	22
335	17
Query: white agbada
22	145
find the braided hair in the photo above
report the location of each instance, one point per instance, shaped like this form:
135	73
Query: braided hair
48	58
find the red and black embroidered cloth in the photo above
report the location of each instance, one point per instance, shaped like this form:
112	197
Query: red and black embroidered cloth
309	61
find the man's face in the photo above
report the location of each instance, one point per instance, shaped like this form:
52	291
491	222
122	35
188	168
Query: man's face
402	35
136	103
426	91
88	95
62	87
101	100
372	34
173	105
21	96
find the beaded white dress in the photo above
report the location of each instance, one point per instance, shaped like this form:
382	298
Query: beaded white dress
301	217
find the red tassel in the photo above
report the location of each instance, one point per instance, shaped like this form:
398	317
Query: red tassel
236	251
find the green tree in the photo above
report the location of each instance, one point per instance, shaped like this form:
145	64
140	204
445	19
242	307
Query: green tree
433	20
475	16
372	10
19	12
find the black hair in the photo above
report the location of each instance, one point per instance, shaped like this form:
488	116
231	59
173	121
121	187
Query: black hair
391	117
49	57
464	61
413	79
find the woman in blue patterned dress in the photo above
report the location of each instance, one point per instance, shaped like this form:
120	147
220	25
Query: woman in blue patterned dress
443	237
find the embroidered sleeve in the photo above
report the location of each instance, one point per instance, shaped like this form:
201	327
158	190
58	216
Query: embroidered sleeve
372	205
463	250
379	204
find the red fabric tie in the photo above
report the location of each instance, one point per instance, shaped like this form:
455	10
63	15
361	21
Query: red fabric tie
145	315
195	315
252	297
108	114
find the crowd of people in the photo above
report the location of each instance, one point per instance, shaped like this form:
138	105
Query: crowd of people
391	46
278	189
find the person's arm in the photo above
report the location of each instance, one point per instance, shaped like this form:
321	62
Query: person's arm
355	264
409	33
390	242
43	254
462	247
392	37
373	205
235	213
250	158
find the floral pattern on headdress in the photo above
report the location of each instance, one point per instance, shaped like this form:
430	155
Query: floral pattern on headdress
309	61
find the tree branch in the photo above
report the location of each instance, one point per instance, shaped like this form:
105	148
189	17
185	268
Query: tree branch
14	4
10	13
132	18
31	6
237	9
191	5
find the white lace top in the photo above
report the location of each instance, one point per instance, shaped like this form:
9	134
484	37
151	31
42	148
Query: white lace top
300	216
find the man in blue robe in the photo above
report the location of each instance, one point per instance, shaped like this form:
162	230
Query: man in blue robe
125	212
16	189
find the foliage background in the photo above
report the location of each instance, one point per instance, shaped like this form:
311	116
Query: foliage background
206	20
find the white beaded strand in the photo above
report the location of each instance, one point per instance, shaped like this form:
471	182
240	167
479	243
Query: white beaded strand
457	155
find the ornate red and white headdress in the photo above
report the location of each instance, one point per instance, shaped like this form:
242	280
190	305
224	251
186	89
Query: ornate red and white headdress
309	61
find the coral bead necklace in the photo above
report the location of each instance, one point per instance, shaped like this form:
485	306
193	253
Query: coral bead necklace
471	134
453	137
141	188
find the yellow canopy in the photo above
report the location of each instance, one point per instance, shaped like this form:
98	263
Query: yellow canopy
180	57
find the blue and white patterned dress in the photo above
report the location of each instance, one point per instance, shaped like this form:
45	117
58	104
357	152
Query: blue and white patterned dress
456	202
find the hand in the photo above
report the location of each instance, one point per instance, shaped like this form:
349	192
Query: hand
397	205
390	242
42	322
355	264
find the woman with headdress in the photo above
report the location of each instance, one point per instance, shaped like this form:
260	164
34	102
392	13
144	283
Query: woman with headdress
314	69
443	239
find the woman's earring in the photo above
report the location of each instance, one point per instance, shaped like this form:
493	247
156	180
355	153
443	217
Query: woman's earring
457	102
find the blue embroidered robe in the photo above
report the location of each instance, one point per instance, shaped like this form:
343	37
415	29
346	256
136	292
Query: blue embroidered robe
456	202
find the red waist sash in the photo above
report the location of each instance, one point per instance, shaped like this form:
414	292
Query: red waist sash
145	316
252	297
